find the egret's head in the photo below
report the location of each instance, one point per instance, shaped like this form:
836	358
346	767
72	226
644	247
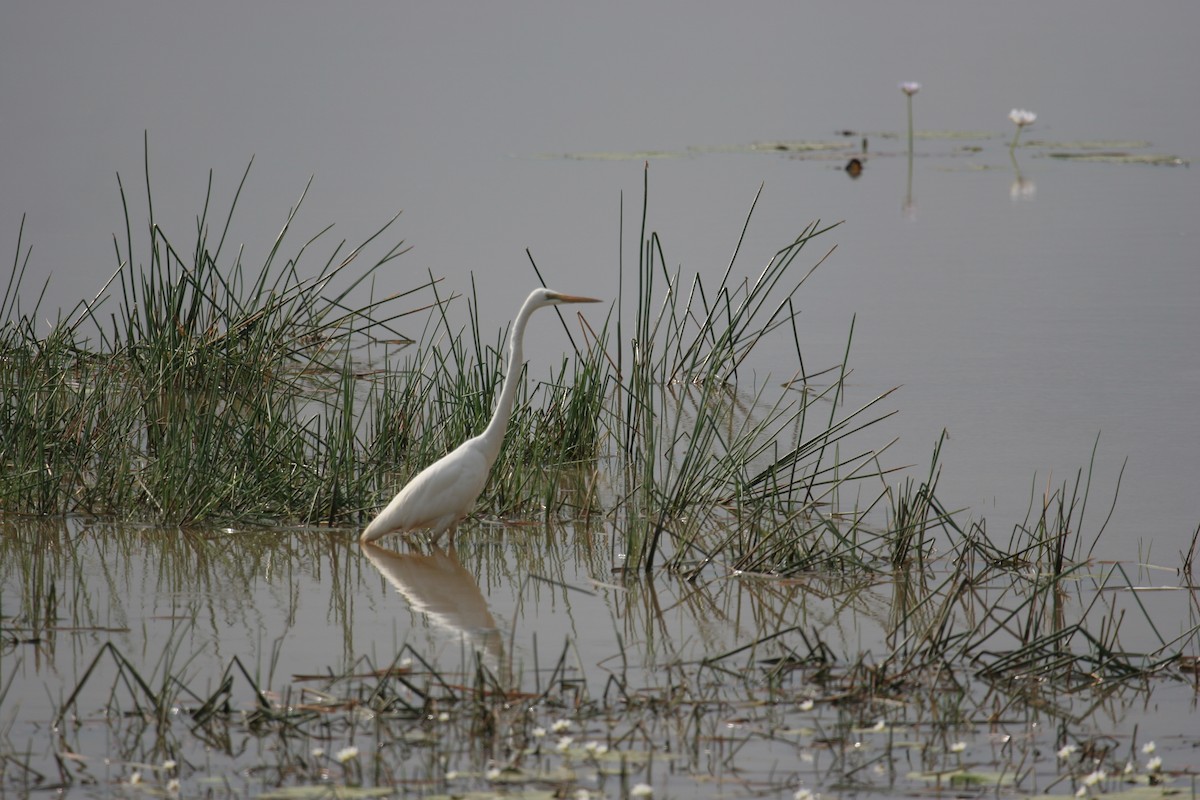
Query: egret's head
548	297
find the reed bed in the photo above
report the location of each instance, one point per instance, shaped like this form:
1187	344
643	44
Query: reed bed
217	392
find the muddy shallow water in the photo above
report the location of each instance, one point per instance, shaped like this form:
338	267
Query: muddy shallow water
236	653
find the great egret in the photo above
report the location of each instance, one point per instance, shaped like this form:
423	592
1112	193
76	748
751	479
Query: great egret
440	495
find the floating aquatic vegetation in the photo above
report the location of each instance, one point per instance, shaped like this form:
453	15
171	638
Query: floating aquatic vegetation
800	146
1121	157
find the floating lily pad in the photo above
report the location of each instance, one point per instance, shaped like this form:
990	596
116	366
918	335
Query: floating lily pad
324	790
1138	793
973	778
419	736
512	776
1091	144
508	793
802	146
1123	158
964	777
618	759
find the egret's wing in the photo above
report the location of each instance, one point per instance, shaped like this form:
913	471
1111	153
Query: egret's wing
439	495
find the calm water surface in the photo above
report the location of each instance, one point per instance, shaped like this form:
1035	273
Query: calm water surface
1025	319
543	612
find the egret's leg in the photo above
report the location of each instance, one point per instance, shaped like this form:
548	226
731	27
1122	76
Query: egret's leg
437	532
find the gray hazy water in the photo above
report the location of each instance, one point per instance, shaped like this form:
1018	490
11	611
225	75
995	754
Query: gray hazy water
1025	327
293	606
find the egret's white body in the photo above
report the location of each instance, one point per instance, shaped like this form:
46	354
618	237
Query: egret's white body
442	494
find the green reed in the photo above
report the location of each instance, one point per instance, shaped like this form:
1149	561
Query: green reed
690	437
211	391
217	391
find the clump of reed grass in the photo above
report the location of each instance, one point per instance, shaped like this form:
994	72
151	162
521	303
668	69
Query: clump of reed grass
211	391
222	392
691	439
216	391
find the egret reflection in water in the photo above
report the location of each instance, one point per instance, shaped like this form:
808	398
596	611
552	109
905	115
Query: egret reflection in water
437	585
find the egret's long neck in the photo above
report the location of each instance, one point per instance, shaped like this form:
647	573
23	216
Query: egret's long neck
493	435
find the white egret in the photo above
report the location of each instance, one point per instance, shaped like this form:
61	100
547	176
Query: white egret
440	496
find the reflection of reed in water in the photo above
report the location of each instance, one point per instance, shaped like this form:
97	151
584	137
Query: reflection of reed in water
438	586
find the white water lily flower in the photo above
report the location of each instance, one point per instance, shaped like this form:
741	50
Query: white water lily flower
1065	752
1148	748
804	794
347	754
444	716
958	747
1022	117
641	790
910	87
135	779
807	705
538	733
564	744
173	786
1154	764
561	725
878	727
1092	778
1022	189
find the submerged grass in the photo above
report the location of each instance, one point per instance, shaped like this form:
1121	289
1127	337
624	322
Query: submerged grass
703	687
